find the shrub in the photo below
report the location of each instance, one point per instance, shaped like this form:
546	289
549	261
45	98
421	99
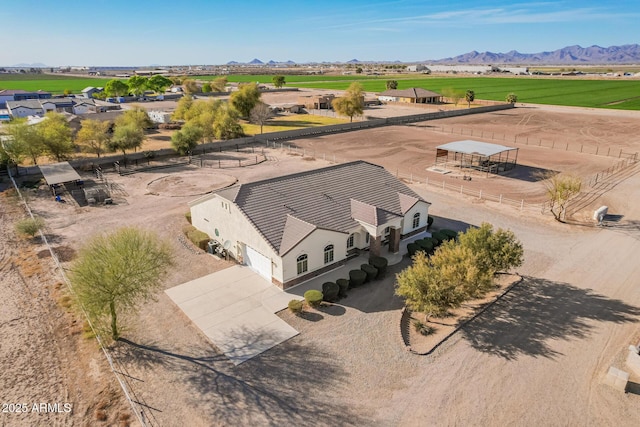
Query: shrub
295	306
370	271
188	216
429	221
380	263
425	244
439	237
197	237
422	328
313	297
412	248
330	290
451	235
29	226
343	284
357	278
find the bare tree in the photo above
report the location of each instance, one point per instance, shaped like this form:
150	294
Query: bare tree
260	114
560	190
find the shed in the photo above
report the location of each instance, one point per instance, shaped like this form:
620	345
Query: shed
476	155
59	173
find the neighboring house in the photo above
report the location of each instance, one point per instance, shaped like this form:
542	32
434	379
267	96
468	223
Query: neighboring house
58	104
414	95
88	92
84	106
416	68
316	102
26	108
20	95
295	227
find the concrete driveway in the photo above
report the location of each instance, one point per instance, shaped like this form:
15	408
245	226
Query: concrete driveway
236	309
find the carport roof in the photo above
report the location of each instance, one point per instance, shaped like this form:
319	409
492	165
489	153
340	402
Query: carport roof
475	147
58	173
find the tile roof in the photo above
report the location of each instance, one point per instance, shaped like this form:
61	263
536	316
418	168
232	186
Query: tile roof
33	104
283	209
414	92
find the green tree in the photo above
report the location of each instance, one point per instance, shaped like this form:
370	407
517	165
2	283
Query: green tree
560	189
186	139
126	137
470	96
24	141
226	124
137	85
495	251
135	116
93	136
351	103
159	83
56	136
260	114
206	88
115	88
67	92
115	273
278	81
392	84
245	98
511	98
359	70
182	108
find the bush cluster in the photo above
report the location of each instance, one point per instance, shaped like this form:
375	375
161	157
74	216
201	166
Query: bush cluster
330	291
197	237
357	278
296	306
313	297
370	271
380	263
188	216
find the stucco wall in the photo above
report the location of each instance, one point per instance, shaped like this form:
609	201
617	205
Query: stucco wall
421	207
314	246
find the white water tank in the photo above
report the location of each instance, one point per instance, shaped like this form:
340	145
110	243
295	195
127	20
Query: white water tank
600	213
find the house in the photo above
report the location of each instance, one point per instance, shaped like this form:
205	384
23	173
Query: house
414	95
295	227
20	95
26	108
416	68
316	102
159	116
88	92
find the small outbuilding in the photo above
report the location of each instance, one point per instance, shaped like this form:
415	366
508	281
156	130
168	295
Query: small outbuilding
59	173
476	155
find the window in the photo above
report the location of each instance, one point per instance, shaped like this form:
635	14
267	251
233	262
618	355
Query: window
366	238
387	230
416	220
350	241
328	254
302	263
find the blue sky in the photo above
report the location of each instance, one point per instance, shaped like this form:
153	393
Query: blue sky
142	32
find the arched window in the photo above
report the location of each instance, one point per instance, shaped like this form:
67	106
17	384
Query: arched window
350	241
328	254
302	263
416	220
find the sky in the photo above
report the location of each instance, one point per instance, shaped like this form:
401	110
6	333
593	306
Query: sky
198	32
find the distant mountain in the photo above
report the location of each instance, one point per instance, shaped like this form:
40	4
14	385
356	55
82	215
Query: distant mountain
35	65
353	61
256	61
232	63
625	54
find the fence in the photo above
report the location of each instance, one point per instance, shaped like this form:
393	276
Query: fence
619	166
136	407
535	142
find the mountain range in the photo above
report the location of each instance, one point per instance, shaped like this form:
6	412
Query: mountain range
626	54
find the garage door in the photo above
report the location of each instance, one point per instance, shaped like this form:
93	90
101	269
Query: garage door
258	262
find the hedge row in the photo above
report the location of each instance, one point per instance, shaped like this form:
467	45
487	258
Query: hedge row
430	244
197	237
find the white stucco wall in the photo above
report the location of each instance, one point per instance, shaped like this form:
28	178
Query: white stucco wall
25	112
313	245
421	207
81	109
232	225
385	98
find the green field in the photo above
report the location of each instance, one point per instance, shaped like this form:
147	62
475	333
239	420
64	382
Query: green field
624	95
48	82
613	94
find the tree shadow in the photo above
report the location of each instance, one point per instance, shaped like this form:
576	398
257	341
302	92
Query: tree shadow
292	383
537	311
529	173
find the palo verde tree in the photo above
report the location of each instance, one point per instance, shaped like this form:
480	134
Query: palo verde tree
351	103
190	86
392	84
93	136
560	189
55	134
24	141
115	273
458	270
469	96
511	98
245	98
226	124
219	84
186	139
126	137
278	81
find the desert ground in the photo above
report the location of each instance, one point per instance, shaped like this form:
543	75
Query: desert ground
537	357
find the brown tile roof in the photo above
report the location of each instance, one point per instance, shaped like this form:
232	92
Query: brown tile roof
284	209
414	92
370	214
